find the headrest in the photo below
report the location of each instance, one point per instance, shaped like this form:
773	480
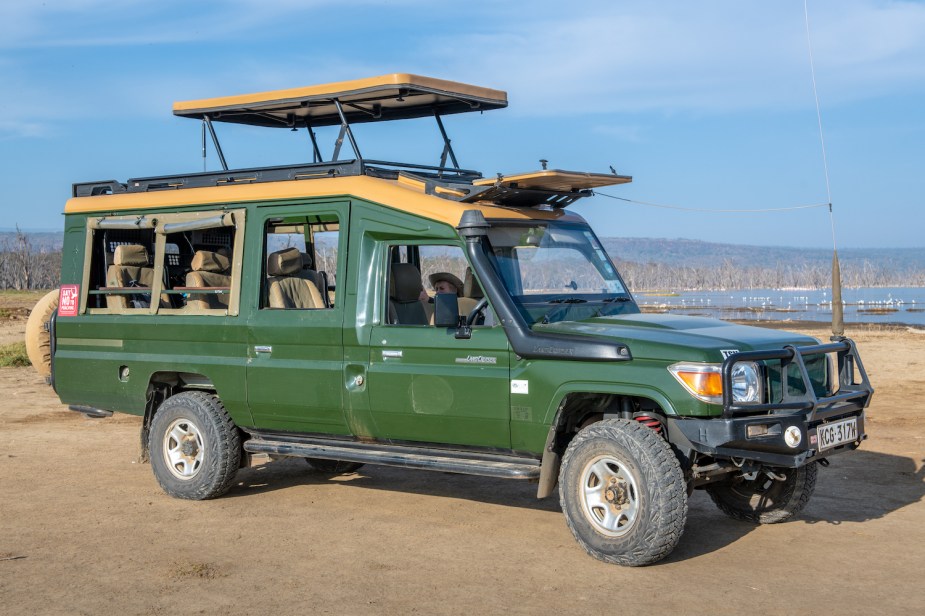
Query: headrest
206	261
405	283
472	288
130	254
284	262
306	261
450	278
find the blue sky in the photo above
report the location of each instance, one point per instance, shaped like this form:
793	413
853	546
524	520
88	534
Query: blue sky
709	105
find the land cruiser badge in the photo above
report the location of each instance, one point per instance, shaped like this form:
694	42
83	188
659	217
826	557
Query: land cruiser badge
476	359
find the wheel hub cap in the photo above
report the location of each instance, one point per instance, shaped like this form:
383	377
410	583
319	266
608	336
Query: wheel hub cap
183	449
609	496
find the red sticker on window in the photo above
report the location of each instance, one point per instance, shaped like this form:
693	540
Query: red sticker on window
68	299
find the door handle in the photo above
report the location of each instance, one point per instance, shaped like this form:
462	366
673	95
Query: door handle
263	349
391	354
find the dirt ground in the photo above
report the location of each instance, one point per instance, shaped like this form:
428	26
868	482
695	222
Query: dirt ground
84	529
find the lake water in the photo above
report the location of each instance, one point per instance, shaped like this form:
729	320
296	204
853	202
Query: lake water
904	305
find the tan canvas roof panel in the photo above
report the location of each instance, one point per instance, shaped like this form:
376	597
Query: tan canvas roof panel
388	97
557	180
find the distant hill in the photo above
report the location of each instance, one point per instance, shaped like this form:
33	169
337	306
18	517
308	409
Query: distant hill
695	253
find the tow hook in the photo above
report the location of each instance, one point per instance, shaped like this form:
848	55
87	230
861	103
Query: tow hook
824	462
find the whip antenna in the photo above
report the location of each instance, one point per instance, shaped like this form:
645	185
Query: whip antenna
838	316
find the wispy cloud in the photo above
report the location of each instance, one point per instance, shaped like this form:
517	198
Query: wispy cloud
602	57
720	56
30	24
627	133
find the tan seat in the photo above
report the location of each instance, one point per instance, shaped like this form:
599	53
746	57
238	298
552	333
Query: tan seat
129	268
286	288
320	279
472	293
210	270
405	288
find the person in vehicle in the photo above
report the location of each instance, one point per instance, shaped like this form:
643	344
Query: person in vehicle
445	282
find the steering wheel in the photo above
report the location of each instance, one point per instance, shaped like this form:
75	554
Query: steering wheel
478	309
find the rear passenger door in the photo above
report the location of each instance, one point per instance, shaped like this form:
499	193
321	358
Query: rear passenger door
295	370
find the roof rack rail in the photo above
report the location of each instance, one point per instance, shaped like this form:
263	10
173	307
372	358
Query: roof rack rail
220	178
308	171
92	189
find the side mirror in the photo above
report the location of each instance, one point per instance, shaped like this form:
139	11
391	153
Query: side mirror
446	310
446	314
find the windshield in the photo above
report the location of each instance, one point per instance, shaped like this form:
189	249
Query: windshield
558	272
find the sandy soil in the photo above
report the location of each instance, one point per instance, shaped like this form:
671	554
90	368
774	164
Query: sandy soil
84	529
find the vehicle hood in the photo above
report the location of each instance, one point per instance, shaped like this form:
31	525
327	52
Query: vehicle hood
677	338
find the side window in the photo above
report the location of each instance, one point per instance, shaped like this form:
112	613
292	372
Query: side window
300	262
197	268
164	263
418	273
121	267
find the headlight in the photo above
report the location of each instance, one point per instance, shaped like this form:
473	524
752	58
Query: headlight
704	381
746	387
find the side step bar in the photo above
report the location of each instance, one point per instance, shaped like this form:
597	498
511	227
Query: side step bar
489	465
90	412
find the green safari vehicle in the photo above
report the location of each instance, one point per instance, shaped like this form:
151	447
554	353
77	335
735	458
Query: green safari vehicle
287	310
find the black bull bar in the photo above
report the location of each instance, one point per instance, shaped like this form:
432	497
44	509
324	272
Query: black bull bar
853	393
728	437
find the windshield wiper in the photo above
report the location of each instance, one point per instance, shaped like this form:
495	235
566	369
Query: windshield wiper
611	300
563	309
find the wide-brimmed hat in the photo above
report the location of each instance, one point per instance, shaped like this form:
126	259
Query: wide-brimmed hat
450	278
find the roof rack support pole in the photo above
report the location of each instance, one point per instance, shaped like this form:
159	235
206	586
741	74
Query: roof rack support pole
316	153
447	148
345	127
339	142
218	148
204	169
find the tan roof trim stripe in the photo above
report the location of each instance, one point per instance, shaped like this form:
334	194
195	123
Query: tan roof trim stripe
376	190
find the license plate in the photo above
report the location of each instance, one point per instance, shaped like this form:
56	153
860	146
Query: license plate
837	433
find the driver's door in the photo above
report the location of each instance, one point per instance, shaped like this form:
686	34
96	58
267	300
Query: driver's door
425	385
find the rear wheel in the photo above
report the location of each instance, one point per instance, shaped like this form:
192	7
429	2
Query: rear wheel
333	467
773	495
195	447
623	493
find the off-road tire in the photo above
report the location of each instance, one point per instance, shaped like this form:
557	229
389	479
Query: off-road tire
38	339
764	500
653	480
200	418
333	467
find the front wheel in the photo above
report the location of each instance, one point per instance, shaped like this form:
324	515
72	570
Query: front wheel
623	493
195	447
770	497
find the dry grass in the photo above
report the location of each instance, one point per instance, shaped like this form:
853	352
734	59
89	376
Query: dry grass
14	355
11	300
194	570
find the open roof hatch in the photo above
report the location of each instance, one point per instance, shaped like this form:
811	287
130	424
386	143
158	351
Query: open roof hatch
399	96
